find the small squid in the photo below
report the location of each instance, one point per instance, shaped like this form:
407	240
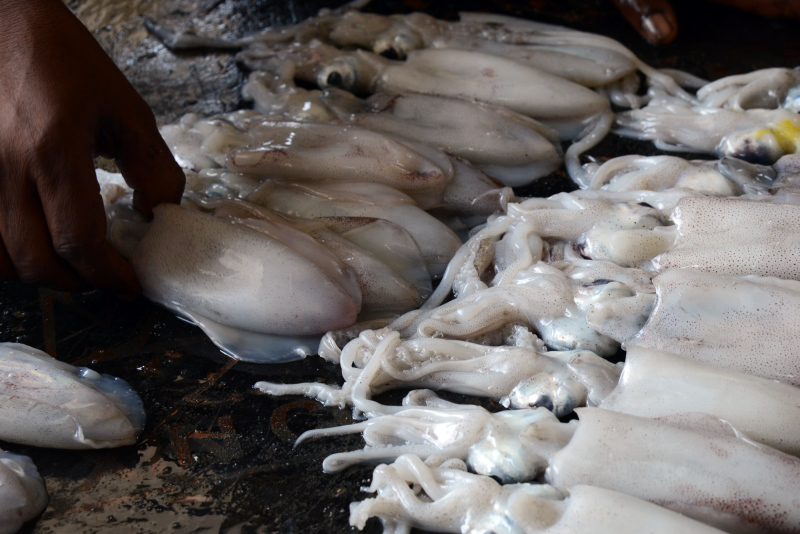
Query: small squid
448	498
379	361
574	111
22	492
48	403
754	135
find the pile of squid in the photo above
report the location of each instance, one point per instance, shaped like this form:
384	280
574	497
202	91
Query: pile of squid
322	220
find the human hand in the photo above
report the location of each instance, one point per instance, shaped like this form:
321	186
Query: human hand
655	20
62	101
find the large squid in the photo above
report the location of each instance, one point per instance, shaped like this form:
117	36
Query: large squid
653	384
707	477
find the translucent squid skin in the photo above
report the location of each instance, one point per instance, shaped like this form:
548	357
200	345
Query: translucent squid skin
48	403
22	492
454	500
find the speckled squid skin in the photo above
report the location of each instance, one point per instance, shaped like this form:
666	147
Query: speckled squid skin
720	320
735	237
697	466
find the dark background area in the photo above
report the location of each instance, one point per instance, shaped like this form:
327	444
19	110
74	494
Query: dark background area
217	456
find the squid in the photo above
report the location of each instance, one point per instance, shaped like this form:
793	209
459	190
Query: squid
515	241
447	498
755	135
436	242
765	88
707	477
727	236
726	177
255	148
511	147
356	259
379	361
654	384
387	263
563	105
658	384
48	403
526	290
221	275
431	428
571	109
300	151
710	318
22	492
588	59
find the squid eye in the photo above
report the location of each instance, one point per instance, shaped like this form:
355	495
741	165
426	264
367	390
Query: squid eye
390	53
580	248
396	43
339	75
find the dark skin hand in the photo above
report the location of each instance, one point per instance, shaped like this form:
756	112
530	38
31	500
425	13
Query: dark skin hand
655	19
63	102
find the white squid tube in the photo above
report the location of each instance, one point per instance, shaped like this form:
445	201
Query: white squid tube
701	467
658	384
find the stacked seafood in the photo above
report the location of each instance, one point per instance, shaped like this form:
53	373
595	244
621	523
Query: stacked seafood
333	210
354	192
682	264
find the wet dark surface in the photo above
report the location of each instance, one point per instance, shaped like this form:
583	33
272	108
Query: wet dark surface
217	456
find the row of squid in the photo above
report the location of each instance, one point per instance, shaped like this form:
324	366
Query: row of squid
700	419
320	220
362	187
697	430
